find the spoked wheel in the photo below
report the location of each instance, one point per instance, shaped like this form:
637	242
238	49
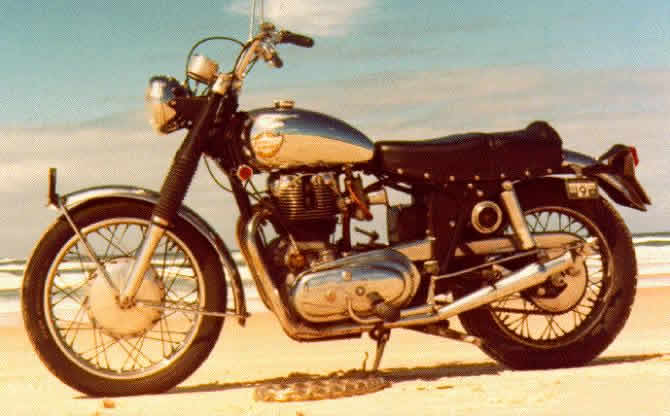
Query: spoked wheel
574	315
557	311
74	319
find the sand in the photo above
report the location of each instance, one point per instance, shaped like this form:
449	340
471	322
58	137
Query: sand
431	376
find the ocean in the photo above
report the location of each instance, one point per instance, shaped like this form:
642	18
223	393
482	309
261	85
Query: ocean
652	251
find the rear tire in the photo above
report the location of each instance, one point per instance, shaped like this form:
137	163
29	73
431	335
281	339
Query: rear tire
157	349
609	302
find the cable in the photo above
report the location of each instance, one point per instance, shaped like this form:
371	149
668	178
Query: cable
200	42
209	169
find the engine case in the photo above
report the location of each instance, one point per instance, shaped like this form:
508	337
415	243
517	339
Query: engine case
322	293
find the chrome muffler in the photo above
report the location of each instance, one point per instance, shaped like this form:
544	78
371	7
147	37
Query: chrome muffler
524	278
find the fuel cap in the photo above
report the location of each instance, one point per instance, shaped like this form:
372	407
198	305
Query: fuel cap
284	104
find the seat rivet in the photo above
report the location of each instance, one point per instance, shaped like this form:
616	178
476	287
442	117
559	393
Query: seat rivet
451	178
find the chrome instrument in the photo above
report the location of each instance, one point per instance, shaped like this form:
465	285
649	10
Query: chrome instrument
202	69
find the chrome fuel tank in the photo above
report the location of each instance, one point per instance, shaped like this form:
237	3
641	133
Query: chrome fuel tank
289	138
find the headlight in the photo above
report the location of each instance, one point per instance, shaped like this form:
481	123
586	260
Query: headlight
162	116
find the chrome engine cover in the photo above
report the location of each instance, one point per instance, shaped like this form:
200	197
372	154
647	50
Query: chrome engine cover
321	294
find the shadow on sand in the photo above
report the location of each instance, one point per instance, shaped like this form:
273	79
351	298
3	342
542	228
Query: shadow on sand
428	373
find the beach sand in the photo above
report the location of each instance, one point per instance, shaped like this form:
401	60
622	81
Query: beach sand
431	376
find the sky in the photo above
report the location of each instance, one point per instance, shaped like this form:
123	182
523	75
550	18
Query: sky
74	74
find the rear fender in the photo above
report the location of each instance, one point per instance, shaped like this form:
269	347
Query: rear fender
615	173
86	196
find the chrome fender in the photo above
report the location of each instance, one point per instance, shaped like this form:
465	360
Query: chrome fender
84	196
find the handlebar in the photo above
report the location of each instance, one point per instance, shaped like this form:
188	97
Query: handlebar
263	46
276	61
299	40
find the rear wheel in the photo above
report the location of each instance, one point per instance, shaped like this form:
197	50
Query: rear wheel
573	317
76	324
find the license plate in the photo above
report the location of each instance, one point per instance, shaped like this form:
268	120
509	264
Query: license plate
581	188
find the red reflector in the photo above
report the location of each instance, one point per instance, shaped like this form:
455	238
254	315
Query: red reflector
633	151
244	172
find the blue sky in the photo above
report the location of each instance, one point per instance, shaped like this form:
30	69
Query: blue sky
74	74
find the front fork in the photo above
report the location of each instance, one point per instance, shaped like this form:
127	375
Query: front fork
172	195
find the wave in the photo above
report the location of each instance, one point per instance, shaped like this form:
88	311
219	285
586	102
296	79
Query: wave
652	251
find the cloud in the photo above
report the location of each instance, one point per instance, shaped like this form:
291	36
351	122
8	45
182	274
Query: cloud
591	110
313	17
93	154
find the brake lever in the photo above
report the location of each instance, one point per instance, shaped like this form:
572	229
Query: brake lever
270	55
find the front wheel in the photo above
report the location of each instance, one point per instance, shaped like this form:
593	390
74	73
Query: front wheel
572	318
74	320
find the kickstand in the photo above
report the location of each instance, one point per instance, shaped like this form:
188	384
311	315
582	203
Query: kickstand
381	336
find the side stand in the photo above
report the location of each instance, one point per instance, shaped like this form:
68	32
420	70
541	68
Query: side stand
381	336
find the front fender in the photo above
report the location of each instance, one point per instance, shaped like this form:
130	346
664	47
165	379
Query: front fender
619	182
84	196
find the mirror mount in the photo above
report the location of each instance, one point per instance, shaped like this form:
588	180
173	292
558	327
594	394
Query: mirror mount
256	12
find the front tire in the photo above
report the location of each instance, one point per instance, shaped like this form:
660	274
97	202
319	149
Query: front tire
77	328
577	334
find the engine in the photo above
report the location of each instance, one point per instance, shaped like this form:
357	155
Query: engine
306	196
308	205
320	283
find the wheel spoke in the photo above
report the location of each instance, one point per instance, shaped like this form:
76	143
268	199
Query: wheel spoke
108	351
525	320
112	244
72	326
66	294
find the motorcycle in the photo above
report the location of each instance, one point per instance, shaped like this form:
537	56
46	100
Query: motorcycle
126	292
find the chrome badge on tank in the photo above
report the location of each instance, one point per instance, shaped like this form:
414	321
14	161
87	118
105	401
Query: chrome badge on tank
284	138
267	144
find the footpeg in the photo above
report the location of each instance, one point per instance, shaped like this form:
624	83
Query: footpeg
382	309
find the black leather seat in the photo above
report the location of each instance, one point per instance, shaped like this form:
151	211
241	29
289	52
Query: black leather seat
464	157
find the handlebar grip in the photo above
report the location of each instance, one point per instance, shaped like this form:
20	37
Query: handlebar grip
276	61
296	39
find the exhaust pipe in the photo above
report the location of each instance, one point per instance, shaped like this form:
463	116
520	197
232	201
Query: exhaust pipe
246	237
522	279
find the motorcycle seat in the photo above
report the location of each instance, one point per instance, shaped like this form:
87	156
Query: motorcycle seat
473	156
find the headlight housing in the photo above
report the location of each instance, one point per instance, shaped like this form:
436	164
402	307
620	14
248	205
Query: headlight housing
160	101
